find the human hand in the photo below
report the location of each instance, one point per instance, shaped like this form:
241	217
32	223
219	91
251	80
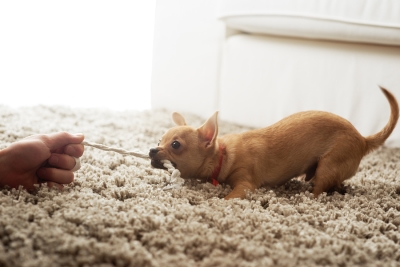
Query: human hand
42	158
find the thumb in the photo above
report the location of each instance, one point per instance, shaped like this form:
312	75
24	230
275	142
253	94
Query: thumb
61	139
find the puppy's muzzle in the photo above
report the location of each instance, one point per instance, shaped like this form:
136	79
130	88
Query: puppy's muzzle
153	152
155	162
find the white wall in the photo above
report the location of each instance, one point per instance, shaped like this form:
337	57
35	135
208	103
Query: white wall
78	52
186	56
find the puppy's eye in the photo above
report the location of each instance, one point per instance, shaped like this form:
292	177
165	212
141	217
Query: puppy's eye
176	145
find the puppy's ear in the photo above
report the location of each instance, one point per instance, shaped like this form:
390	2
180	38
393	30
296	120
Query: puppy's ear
208	132
178	119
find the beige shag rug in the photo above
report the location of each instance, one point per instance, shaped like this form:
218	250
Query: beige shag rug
116	213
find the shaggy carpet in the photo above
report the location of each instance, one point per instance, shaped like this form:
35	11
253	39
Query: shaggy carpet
116	212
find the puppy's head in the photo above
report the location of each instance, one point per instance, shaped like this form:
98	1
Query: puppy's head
189	149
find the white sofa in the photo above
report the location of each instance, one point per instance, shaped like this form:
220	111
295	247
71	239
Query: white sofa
257	61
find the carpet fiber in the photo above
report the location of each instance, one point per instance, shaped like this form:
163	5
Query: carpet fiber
116	213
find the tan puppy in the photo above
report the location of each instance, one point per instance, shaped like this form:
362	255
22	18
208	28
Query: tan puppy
319	144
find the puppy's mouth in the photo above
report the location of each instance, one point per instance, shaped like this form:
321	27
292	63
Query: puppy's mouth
159	165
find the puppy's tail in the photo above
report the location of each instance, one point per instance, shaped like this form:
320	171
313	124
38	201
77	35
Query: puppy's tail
376	140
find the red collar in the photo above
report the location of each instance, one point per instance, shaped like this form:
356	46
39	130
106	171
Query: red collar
214	175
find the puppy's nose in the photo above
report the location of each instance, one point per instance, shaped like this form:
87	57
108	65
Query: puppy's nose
153	152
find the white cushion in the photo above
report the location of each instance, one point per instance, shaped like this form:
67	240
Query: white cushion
266	78
368	21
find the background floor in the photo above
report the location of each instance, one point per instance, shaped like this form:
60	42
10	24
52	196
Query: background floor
116	213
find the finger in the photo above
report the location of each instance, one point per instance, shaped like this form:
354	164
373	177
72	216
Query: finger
62	161
56	175
58	140
74	150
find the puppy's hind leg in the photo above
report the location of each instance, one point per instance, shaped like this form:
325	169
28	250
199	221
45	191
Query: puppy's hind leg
332	170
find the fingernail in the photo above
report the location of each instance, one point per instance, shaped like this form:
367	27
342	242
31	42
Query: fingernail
53	159
78	134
